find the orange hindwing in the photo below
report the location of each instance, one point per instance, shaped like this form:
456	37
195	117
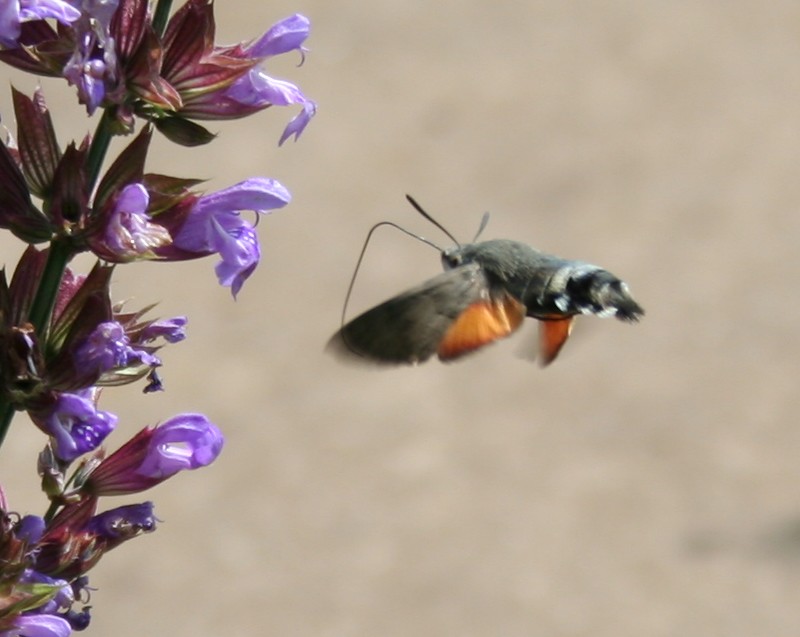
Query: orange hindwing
553	333
481	323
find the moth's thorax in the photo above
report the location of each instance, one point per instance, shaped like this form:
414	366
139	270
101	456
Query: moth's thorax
501	258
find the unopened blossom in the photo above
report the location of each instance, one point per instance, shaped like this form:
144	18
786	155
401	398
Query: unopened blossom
123	523
29	529
130	234
76	426
78	619
14	12
214	224
185	442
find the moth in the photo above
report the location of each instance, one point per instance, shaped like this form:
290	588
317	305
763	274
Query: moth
485	292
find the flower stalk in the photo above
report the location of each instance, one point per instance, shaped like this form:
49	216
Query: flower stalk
161	15
64	340
58	257
99	147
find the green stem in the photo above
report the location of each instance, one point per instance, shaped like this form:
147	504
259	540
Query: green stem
160	16
6	415
41	309
98	149
51	511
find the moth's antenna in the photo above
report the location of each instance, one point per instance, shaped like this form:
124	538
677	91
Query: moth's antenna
419	209
482	227
364	249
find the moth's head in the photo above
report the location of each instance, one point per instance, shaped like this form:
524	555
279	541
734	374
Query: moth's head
452	257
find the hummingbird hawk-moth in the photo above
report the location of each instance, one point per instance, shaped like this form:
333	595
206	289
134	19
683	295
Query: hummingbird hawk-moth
483	295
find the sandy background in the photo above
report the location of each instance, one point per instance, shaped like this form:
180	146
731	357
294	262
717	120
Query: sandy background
647	484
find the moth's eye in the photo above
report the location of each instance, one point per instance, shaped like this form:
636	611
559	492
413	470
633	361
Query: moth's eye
452	260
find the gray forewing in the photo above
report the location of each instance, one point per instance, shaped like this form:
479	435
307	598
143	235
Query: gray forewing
409	327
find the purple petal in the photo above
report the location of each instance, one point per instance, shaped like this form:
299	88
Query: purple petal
14	12
100	10
79	619
30	529
259	90
187	442
240	254
10	23
171	330
39	626
93	67
104	349
77	426
133	198
59	10
129	233
124	522
258	193
300	121
284	36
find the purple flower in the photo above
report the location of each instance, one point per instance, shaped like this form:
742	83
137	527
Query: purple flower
185	442
38	625
93	67
109	347
123	522
14	12
129	233
76	425
215	225
258	90
242	95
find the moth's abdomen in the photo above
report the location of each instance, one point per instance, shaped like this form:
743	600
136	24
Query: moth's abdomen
587	289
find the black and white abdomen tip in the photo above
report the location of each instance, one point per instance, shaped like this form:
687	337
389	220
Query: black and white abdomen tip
588	289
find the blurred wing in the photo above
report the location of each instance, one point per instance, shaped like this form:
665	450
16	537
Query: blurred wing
408	328
483	322
553	333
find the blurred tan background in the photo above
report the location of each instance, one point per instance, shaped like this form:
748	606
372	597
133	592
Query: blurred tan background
647	483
